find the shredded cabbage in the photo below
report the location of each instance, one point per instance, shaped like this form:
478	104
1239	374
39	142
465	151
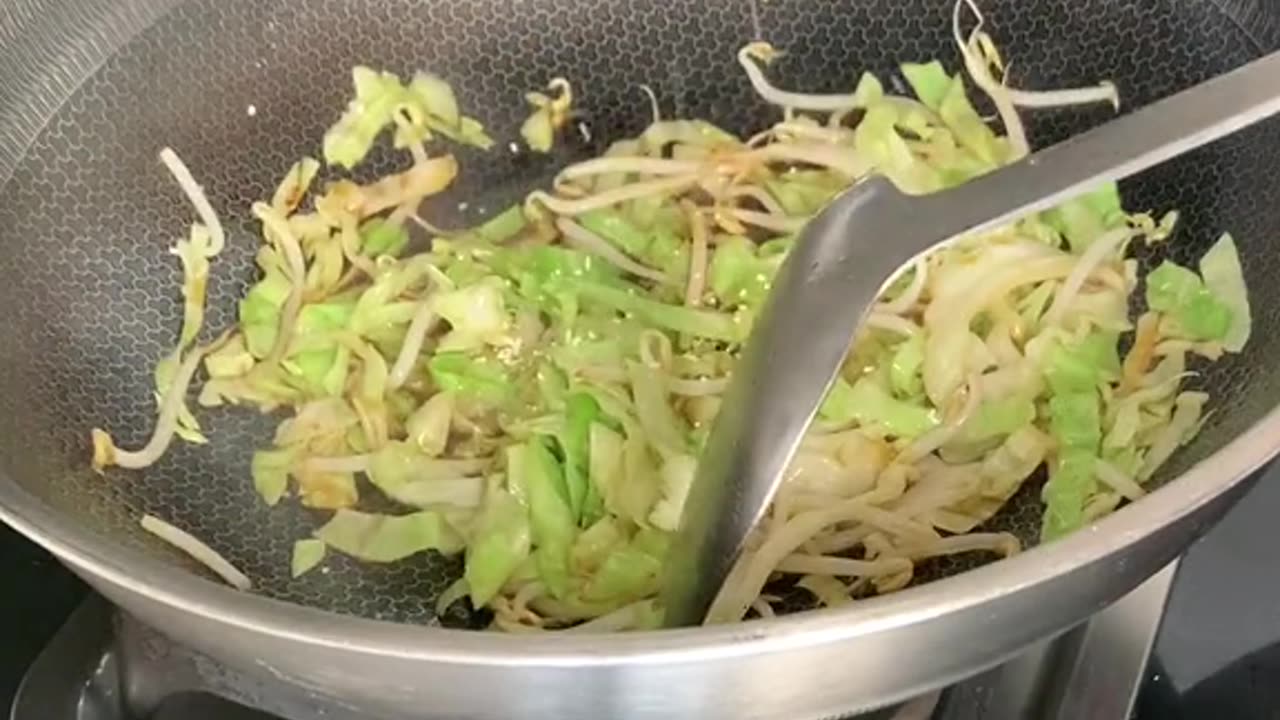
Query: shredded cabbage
549	115
1182	296
502	542
929	81
424	106
307	554
533	392
387	538
1224	278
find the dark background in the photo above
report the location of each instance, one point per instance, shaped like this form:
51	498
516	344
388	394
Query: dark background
36	594
1218	652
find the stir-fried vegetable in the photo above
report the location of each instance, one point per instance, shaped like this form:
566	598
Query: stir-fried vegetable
197	550
307	554
534	392
549	115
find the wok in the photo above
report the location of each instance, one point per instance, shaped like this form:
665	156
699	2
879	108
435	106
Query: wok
91	89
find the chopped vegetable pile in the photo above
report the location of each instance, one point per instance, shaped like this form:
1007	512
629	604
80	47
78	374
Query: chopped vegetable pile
534	391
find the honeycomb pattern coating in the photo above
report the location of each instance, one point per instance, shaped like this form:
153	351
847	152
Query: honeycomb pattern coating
92	296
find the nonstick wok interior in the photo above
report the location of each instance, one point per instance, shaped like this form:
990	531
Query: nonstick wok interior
242	89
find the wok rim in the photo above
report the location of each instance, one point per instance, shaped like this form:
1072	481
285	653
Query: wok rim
190	593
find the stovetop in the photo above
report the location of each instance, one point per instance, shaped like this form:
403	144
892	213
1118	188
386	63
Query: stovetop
36	597
1216	654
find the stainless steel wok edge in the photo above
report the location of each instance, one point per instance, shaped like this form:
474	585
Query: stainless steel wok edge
813	665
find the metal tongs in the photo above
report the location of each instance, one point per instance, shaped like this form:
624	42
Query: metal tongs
842	260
